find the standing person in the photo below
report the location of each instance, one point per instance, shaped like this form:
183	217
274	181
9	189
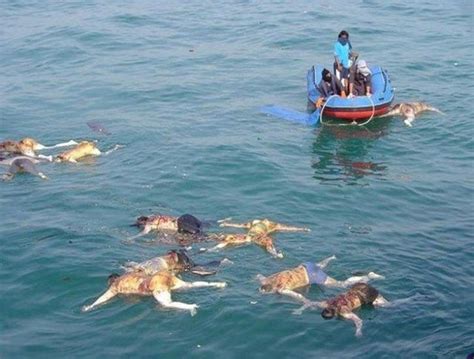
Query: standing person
360	80
342	56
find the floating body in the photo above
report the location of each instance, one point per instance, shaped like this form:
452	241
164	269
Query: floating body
83	149
28	146
160	285
157	222
306	274
186	228
343	305
263	226
259	231
264	241
23	165
409	110
174	261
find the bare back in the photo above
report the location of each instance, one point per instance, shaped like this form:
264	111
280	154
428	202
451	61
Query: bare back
142	284
289	279
83	149
358	295
162	222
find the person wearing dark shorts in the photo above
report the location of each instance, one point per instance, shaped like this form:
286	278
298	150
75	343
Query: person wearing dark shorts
343	56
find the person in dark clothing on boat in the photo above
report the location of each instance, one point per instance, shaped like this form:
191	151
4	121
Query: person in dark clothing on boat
360	80
329	86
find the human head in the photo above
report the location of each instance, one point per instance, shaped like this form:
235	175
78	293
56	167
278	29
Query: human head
189	224
326	75
28	146
407	111
328	313
141	221
266	288
29	142
182	259
363	68
343	37
112	278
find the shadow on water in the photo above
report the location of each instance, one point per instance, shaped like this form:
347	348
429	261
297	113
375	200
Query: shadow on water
342	154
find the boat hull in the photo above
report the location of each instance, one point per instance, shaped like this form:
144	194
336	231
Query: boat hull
359	107
356	113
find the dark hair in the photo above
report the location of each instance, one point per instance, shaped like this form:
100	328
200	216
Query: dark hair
328	313
370	294
189	224
184	259
112	278
140	221
326	73
343	33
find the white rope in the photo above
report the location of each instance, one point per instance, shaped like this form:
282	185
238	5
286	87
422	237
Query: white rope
353	123
324	106
371	116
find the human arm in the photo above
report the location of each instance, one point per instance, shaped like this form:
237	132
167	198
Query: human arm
270	248
319	102
294	295
331	282
357	322
224	223
215	248
285	228
164	298
146	229
324	263
109	294
306	302
322	87
199	284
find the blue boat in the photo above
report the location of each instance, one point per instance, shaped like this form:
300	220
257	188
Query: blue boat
356	108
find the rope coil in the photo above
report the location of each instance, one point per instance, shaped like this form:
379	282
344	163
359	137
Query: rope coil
345	124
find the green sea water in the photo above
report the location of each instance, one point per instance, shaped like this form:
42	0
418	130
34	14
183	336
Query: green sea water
180	84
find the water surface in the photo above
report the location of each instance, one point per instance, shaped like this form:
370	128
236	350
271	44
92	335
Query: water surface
180	85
